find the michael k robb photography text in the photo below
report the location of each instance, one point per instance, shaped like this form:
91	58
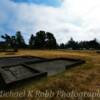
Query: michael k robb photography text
50	93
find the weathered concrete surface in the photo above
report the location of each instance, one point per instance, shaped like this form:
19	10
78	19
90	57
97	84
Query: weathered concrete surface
13	70
17	60
15	73
52	67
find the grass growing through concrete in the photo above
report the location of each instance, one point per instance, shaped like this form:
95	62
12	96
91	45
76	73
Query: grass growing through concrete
84	78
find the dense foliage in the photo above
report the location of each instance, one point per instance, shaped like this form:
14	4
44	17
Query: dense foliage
45	40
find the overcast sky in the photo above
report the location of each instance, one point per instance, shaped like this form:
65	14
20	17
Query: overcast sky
79	19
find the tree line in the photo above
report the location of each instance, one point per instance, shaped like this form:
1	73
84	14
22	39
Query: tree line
45	40
42	40
82	45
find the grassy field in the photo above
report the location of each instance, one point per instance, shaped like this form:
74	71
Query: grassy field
80	79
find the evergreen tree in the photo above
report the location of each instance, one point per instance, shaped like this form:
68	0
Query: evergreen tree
20	40
72	44
62	46
40	40
7	39
32	41
51	42
14	43
10	41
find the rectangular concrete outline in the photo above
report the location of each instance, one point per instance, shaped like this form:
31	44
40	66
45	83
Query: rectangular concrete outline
39	73
77	61
24	57
42	74
41	59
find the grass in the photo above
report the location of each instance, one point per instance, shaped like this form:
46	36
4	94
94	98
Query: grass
83	78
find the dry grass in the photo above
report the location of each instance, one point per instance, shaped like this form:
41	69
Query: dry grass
85	77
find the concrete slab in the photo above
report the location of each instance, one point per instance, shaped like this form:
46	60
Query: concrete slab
8	61
12	69
54	66
15	69
16	73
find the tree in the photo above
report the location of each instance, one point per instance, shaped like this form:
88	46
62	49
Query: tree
40	40
62	46
32	41
14	43
7	39
51	42
93	44
10	41
20	40
72	44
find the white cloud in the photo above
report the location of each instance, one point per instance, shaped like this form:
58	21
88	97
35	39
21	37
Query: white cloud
79	19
